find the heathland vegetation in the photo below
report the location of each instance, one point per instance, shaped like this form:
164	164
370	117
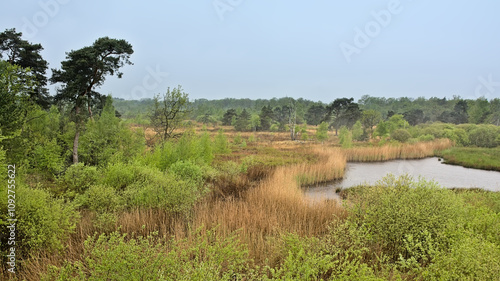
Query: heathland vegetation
166	189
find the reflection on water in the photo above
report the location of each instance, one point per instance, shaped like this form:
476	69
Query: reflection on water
430	168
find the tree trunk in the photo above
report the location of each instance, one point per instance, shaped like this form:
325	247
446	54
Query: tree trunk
77	135
75	146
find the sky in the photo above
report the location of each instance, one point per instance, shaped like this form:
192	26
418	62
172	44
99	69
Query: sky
318	50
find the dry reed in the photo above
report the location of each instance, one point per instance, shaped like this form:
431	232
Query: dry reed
388	152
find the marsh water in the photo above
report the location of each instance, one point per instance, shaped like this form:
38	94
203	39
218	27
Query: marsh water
449	176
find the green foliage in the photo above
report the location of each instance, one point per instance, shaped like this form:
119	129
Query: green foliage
484	136
459	136
237	140
77	179
143	186
242	121
100	198
186	170
26	55
339	255
117	257
322	132
189	147
411	220
345	137
227	119
169	111
15	85
396	121
43	143
43	223
400	135
469	259
370	118
205	148
479	111
426	138
107	136
148	187
381	129
251	138
221	145
303	260
357	132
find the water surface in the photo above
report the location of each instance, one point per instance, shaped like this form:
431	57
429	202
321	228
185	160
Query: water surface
448	176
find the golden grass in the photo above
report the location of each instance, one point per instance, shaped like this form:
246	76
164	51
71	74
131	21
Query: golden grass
389	152
330	166
275	206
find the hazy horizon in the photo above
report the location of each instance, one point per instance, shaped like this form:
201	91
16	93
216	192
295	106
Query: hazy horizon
254	49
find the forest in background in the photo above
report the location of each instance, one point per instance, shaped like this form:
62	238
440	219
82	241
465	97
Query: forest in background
414	110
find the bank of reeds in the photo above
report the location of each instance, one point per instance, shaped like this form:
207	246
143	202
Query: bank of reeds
276	205
392	152
330	166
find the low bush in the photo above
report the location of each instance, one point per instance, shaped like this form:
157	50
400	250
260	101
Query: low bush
484	136
204	256
77	179
400	135
186	170
43	223
410	219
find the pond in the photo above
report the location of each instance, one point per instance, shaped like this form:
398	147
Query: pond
430	168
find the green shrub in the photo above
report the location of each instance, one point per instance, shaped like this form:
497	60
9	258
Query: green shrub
154	189
468	259
143	186
77	179
345	137
187	171
119	175
302	260
196	149
484	136
340	255
221	144
358	133
237	140
47	157
322	132
43	223
100	198
426	137
205	148
274	127
400	135
115	257
412	220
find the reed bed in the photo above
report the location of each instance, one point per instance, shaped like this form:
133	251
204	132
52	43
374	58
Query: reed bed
330	166
276	205
389	152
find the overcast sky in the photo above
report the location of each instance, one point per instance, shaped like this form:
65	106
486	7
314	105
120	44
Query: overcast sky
318	50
